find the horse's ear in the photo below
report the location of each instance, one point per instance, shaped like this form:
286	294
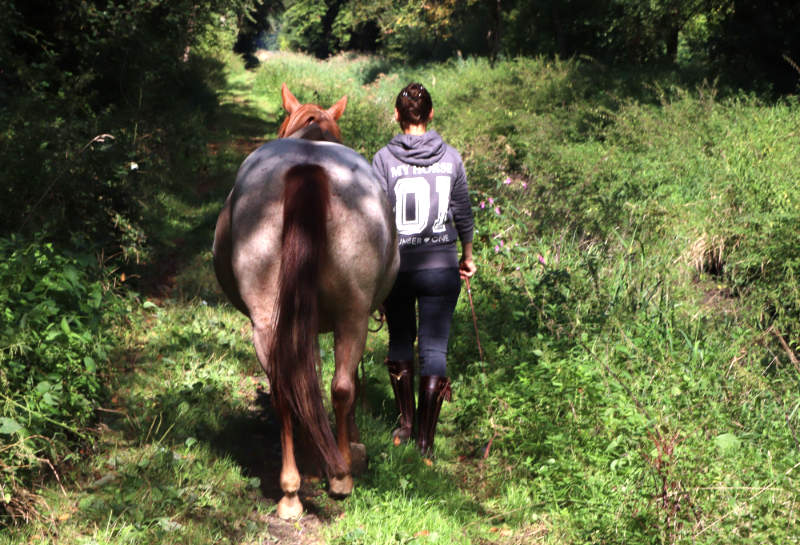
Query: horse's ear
337	109
290	103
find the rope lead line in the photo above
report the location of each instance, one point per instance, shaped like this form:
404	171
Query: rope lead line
474	318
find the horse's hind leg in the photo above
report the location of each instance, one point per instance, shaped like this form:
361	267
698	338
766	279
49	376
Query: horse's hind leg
350	336
289	506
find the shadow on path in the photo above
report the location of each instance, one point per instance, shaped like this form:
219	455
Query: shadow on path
252	440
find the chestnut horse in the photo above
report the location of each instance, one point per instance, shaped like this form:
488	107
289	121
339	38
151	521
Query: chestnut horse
306	243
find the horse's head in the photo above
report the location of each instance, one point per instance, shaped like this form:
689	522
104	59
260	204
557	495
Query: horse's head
302	116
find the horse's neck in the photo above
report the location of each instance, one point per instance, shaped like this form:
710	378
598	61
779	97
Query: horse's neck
314	132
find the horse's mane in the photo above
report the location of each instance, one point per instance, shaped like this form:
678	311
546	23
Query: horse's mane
310	122
314	132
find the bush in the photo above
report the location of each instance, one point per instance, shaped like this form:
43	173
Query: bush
54	348
88	142
87	132
637	294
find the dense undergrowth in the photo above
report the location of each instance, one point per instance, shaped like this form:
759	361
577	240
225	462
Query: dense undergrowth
637	297
87	145
637	303
53	359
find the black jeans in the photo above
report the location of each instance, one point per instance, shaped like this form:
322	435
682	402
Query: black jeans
437	292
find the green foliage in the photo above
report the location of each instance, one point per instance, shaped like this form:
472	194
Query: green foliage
637	300
53	356
88	137
86	130
733	39
163	468
304	27
637	306
398	29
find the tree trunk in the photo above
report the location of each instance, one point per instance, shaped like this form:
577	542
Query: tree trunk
495	29
561	41
672	44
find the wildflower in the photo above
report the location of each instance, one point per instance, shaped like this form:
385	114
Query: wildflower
507	181
483	204
491	200
496	248
541	259
524	185
134	166
497	210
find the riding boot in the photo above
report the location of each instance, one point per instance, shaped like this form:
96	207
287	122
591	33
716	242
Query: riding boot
432	391
401	374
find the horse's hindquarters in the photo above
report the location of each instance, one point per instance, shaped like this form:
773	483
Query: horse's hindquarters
223	262
360	249
352	274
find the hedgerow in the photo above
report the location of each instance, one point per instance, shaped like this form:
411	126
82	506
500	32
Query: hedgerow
88	141
54	355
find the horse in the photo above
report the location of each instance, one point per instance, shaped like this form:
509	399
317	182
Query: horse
306	243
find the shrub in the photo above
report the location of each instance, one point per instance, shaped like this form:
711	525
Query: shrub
54	348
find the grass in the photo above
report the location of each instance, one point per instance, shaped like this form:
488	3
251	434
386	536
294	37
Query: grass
637	303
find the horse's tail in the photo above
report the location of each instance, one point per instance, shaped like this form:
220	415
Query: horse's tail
293	360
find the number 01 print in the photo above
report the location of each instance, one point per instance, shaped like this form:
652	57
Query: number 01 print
413	204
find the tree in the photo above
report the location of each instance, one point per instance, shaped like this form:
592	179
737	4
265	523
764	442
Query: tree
254	23
72	72
758	43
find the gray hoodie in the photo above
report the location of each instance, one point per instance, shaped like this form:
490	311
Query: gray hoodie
427	187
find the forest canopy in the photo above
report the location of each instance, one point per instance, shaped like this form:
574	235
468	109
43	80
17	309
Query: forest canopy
86	86
753	42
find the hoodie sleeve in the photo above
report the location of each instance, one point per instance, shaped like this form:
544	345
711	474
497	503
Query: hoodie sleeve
379	169
460	205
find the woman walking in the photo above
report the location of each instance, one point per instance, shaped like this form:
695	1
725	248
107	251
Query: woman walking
426	183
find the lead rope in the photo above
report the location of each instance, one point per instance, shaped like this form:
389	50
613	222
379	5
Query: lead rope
381	319
362	401
474	318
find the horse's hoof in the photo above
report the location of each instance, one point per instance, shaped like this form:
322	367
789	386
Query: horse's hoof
341	488
358	458
290	507
400	436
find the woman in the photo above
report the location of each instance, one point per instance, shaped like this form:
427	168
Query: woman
427	186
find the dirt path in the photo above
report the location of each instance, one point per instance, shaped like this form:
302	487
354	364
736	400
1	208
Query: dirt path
252	440
254	443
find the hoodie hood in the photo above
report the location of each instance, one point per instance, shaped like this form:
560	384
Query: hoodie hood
418	149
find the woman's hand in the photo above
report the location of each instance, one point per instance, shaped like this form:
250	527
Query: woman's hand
466	268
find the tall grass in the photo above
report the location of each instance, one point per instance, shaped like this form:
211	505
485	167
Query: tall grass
637	296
